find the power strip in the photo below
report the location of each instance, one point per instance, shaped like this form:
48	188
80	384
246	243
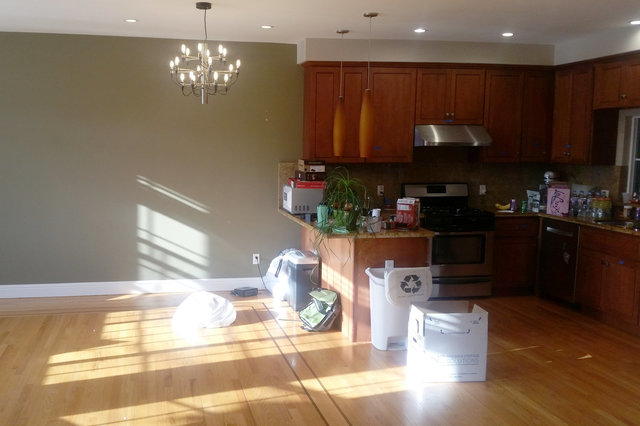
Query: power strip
245	291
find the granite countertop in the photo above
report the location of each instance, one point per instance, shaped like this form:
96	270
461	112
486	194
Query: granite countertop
385	233
577	220
421	232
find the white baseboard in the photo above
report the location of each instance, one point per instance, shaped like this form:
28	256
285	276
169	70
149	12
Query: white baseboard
11	291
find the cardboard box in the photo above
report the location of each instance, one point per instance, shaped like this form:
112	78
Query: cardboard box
558	200
408	212
310	176
446	342
311	166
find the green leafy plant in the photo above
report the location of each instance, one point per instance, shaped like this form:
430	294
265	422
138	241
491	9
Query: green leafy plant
344	196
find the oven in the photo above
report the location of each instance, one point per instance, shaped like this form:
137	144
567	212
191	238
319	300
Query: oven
461	251
461	263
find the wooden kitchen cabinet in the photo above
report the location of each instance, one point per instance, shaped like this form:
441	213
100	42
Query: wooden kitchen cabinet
450	96
537	116
394	92
608	281
503	115
572	115
515	255
321	91
617	84
394	100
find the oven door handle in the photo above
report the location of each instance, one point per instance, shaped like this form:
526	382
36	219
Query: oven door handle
461	280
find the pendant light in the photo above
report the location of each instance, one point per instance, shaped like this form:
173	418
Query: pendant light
366	111
339	119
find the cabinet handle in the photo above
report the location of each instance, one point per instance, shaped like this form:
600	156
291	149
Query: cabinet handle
623	96
559	232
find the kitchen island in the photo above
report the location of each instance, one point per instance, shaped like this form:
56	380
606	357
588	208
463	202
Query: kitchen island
346	257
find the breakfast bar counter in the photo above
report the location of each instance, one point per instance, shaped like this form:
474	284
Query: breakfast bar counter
346	257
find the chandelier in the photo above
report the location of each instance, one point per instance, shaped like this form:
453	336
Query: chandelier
203	74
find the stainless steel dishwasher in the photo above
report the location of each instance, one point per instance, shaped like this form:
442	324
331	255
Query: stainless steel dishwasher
558	259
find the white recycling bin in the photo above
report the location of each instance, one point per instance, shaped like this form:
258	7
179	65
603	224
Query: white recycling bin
392	291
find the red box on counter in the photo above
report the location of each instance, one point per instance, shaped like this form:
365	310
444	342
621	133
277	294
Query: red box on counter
558	200
408	212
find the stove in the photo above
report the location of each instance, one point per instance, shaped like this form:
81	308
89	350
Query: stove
445	207
461	251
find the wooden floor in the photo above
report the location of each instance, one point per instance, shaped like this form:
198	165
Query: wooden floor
105	360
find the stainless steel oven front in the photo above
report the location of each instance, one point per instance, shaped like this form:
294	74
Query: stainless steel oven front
461	264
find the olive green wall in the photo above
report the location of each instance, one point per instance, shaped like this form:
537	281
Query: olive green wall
108	173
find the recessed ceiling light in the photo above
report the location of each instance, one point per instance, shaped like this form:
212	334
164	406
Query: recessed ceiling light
266	27
419	30
635	22
507	34
131	21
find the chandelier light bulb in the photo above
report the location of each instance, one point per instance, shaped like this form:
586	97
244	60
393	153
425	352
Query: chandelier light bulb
230	67
238	64
210	60
176	61
215	76
183	48
192	76
182	77
171	64
199	47
220	49
226	78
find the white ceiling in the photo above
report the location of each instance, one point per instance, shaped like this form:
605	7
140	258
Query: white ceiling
532	21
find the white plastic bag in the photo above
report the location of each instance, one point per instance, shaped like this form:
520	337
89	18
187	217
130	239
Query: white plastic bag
204	309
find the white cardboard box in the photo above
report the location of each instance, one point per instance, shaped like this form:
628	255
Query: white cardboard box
446	342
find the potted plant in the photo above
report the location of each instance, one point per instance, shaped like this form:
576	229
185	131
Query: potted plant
344	196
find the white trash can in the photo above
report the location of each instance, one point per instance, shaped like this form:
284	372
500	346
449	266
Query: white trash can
391	292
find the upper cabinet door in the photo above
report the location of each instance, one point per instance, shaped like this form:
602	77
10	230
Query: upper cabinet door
572	116
468	96
503	115
394	97
537	116
617	84
450	96
322	88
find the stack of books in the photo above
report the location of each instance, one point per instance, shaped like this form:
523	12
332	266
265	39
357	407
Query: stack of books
310	175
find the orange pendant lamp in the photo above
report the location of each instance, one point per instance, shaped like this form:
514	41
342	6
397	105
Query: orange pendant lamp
365	139
339	119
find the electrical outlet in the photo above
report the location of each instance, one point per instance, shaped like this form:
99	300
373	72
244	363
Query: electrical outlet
380	189
482	190
256	258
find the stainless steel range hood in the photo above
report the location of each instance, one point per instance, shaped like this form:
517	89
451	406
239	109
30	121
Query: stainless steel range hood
451	135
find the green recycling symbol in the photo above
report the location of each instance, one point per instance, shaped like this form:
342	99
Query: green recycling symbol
411	284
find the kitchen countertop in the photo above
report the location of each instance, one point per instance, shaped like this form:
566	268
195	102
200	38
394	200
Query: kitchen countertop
577	220
421	232
385	233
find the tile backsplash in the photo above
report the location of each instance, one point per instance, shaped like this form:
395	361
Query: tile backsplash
454	164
